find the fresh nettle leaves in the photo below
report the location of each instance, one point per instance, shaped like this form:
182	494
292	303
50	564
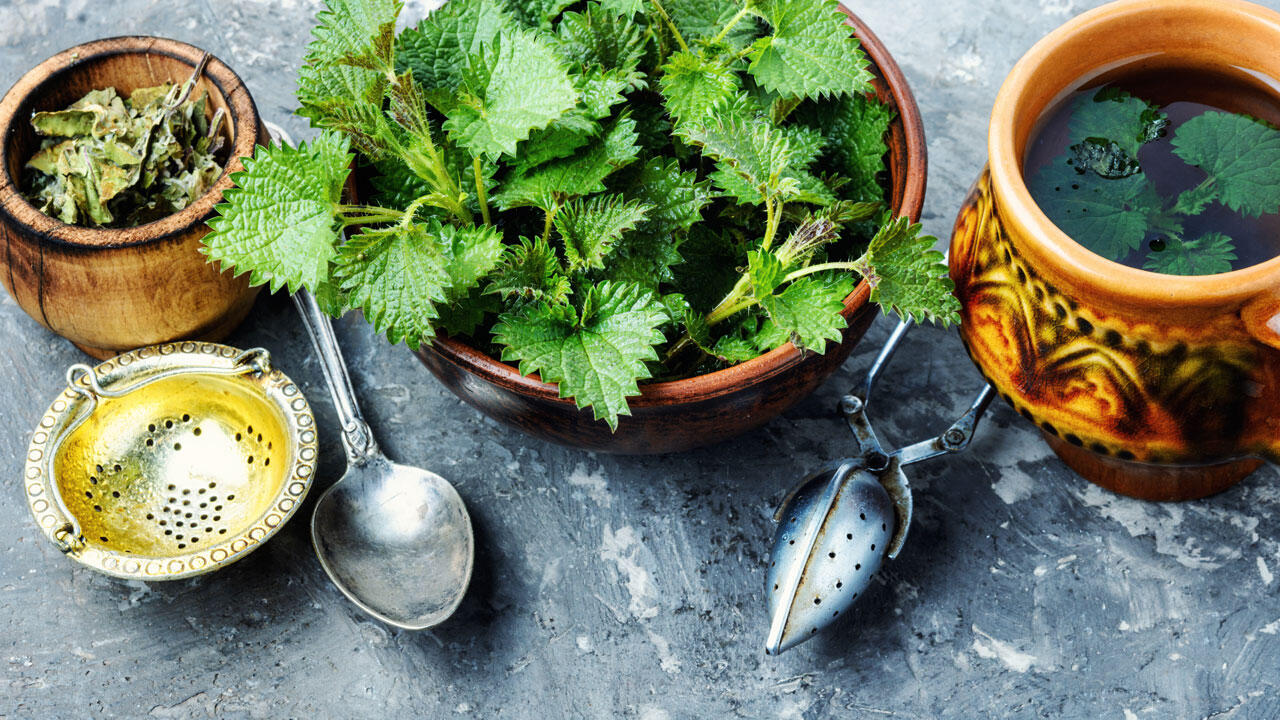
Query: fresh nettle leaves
602	191
1098	193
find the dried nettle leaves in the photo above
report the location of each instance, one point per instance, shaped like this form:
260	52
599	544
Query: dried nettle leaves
600	191
112	161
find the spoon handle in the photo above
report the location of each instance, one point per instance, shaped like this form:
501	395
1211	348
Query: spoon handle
357	438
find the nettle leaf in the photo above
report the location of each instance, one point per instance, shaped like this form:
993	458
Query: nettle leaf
279	223
709	270
360	33
907	275
1206	255
703	19
598	38
599	90
399	276
437	49
644	258
808	310
590	228
595	356
538	13
760	154
515	85
1112	116
675	198
530	271
624	8
583	173
853	130
765	271
1108	216
343	98
811	52
1241	156
693	86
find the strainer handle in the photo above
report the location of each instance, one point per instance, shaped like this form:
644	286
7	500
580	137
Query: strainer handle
357	438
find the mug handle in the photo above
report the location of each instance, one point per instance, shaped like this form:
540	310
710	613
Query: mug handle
1261	318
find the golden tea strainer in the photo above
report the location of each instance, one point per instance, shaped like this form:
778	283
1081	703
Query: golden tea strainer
170	461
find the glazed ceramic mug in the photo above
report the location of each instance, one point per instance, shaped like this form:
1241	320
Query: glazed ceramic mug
1157	386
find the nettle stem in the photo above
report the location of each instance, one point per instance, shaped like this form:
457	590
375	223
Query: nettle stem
667	19
732	22
551	218
847	266
366	215
481	194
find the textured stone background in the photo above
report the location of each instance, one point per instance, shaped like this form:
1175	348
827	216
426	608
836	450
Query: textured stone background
632	587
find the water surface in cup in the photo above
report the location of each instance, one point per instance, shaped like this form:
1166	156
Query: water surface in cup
1172	170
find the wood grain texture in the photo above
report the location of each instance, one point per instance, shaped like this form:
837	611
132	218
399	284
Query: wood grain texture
111	290
680	415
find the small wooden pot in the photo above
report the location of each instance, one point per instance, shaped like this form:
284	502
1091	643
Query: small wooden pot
109	291
684	414
1157	386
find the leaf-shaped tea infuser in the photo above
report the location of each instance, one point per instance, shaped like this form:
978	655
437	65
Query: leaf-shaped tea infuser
838	525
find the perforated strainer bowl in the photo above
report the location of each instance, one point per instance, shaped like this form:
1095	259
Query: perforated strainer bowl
170	461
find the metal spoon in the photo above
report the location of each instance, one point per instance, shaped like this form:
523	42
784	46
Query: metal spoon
837	527
395	539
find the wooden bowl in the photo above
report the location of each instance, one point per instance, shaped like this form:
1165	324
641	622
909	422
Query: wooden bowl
109	291
683	414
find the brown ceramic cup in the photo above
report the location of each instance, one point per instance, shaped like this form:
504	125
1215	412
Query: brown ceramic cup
112	290
683	414
1157	386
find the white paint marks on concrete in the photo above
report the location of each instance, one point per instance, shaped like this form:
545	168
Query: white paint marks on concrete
623	549
1040	571
666	659
1057	7
1130	715
1013	485
463	708
593	484
585	645
1124	626
1265	573
1271	628
990	648
139	592
649	712
1161	521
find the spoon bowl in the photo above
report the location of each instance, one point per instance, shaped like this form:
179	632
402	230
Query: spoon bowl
397	541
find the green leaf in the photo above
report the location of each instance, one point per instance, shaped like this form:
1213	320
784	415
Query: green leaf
854	131
468	314
765	271
279	223
1114	116
644	258
596	356
583	173
1105	158
530	271
760	154
600	90
693	86
436	51
1108	216
1241	156
907	275
360	33
400	275
538	13
1206	255
344	98
811	52
703	20
515	85
624	8
709	270
808	310
590	228
597	38
675	198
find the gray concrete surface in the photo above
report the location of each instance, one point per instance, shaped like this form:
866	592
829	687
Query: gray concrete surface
632	587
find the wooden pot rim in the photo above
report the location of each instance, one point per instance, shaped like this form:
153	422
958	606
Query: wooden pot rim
240	107
1201	32
913	167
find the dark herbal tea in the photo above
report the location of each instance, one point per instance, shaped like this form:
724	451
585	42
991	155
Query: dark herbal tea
1173	171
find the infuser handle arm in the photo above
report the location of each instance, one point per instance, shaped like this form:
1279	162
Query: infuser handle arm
955	439
357	438
854	405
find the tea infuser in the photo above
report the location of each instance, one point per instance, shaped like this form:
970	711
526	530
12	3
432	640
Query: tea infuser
170	461
837	527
